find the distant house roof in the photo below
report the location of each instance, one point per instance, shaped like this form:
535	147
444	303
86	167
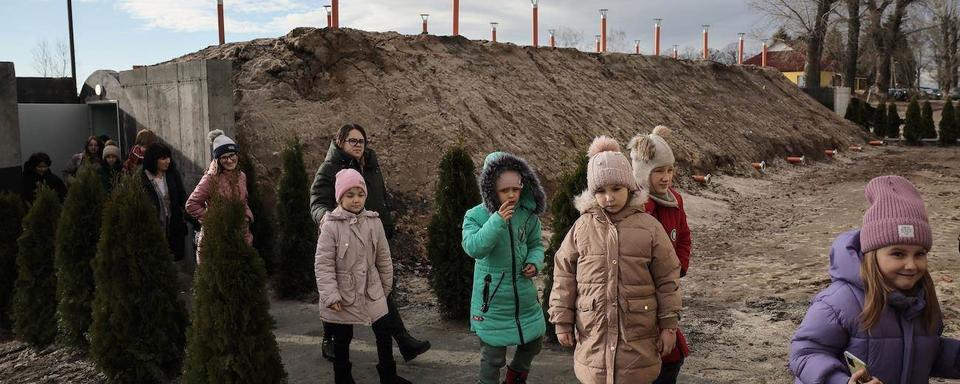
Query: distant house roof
785	59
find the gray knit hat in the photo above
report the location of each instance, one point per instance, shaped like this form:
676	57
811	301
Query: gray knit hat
220	144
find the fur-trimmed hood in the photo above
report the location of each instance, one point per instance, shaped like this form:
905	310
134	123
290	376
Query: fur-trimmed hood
496	163
585	202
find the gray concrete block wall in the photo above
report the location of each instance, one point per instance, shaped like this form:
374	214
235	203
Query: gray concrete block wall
9	118
181	102
9	129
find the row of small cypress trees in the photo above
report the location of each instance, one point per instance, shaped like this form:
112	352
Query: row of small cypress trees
93	274
884	121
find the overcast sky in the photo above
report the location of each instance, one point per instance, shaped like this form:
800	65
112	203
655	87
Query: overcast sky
117	34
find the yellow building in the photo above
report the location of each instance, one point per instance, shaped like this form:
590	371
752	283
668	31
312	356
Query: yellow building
790	62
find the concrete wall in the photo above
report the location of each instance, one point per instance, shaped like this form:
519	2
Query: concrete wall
59	130
9	129
181	102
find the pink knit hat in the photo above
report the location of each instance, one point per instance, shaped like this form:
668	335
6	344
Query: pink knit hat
896	215
349	178
608	166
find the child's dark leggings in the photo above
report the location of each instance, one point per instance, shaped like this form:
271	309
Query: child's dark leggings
343	334
669	373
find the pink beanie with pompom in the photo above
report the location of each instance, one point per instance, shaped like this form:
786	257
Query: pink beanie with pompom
608	166
346	179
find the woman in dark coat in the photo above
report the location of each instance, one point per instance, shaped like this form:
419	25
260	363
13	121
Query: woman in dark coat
349	150
164	187
36	172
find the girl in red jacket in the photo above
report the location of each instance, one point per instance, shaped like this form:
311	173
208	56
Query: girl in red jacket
653	167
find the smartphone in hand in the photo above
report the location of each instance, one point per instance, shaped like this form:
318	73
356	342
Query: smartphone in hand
855	364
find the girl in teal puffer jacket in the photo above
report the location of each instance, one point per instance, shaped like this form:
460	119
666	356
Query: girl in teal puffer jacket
503	235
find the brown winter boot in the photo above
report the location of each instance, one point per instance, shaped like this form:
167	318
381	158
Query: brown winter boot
515	377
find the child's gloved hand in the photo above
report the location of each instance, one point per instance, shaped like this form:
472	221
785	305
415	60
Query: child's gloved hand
855	379
335	307
529	271
667	341
565	339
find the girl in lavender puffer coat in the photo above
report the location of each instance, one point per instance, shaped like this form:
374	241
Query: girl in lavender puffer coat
882	306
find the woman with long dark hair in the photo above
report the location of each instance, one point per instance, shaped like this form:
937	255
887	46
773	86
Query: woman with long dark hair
36	172
164	186
349	150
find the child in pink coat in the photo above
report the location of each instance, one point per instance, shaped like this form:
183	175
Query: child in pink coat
354	276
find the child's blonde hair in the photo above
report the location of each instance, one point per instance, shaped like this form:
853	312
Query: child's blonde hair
876	290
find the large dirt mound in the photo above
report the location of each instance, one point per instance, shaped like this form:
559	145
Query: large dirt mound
417	95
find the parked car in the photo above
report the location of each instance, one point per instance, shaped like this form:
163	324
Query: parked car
898	94
955	94
932	93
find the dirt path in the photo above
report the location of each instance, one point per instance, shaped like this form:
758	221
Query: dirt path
760	254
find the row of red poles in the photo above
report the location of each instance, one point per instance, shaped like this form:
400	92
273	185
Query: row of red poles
333	21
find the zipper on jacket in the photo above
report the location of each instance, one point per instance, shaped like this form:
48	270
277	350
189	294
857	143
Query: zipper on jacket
487	299
516	293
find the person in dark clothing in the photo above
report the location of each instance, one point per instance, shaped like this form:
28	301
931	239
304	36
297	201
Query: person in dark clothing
111	167
164	187
349	150
36	172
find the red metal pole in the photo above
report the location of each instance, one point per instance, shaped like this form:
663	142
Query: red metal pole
740	51
553	41
763	56
637	48
220	20
336	13
706	49
603	30
656	38
536	37
493	32
456	17
424	27
329	19
598	44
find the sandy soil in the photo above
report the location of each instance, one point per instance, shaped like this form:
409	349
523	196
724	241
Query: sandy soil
760	254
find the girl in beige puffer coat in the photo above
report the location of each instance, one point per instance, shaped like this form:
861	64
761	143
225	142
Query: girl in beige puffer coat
354	276
616	292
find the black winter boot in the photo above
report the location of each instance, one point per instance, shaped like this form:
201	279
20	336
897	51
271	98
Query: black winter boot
388	374
410	347
326	347
343	373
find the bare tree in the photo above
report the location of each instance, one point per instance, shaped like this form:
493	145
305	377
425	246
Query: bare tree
569	38
851	55
885	33
51	61
617	41
944	39
726	55
807	18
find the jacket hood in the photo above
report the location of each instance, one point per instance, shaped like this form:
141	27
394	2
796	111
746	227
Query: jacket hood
335	154
340	214
845	259
532	197
585	202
